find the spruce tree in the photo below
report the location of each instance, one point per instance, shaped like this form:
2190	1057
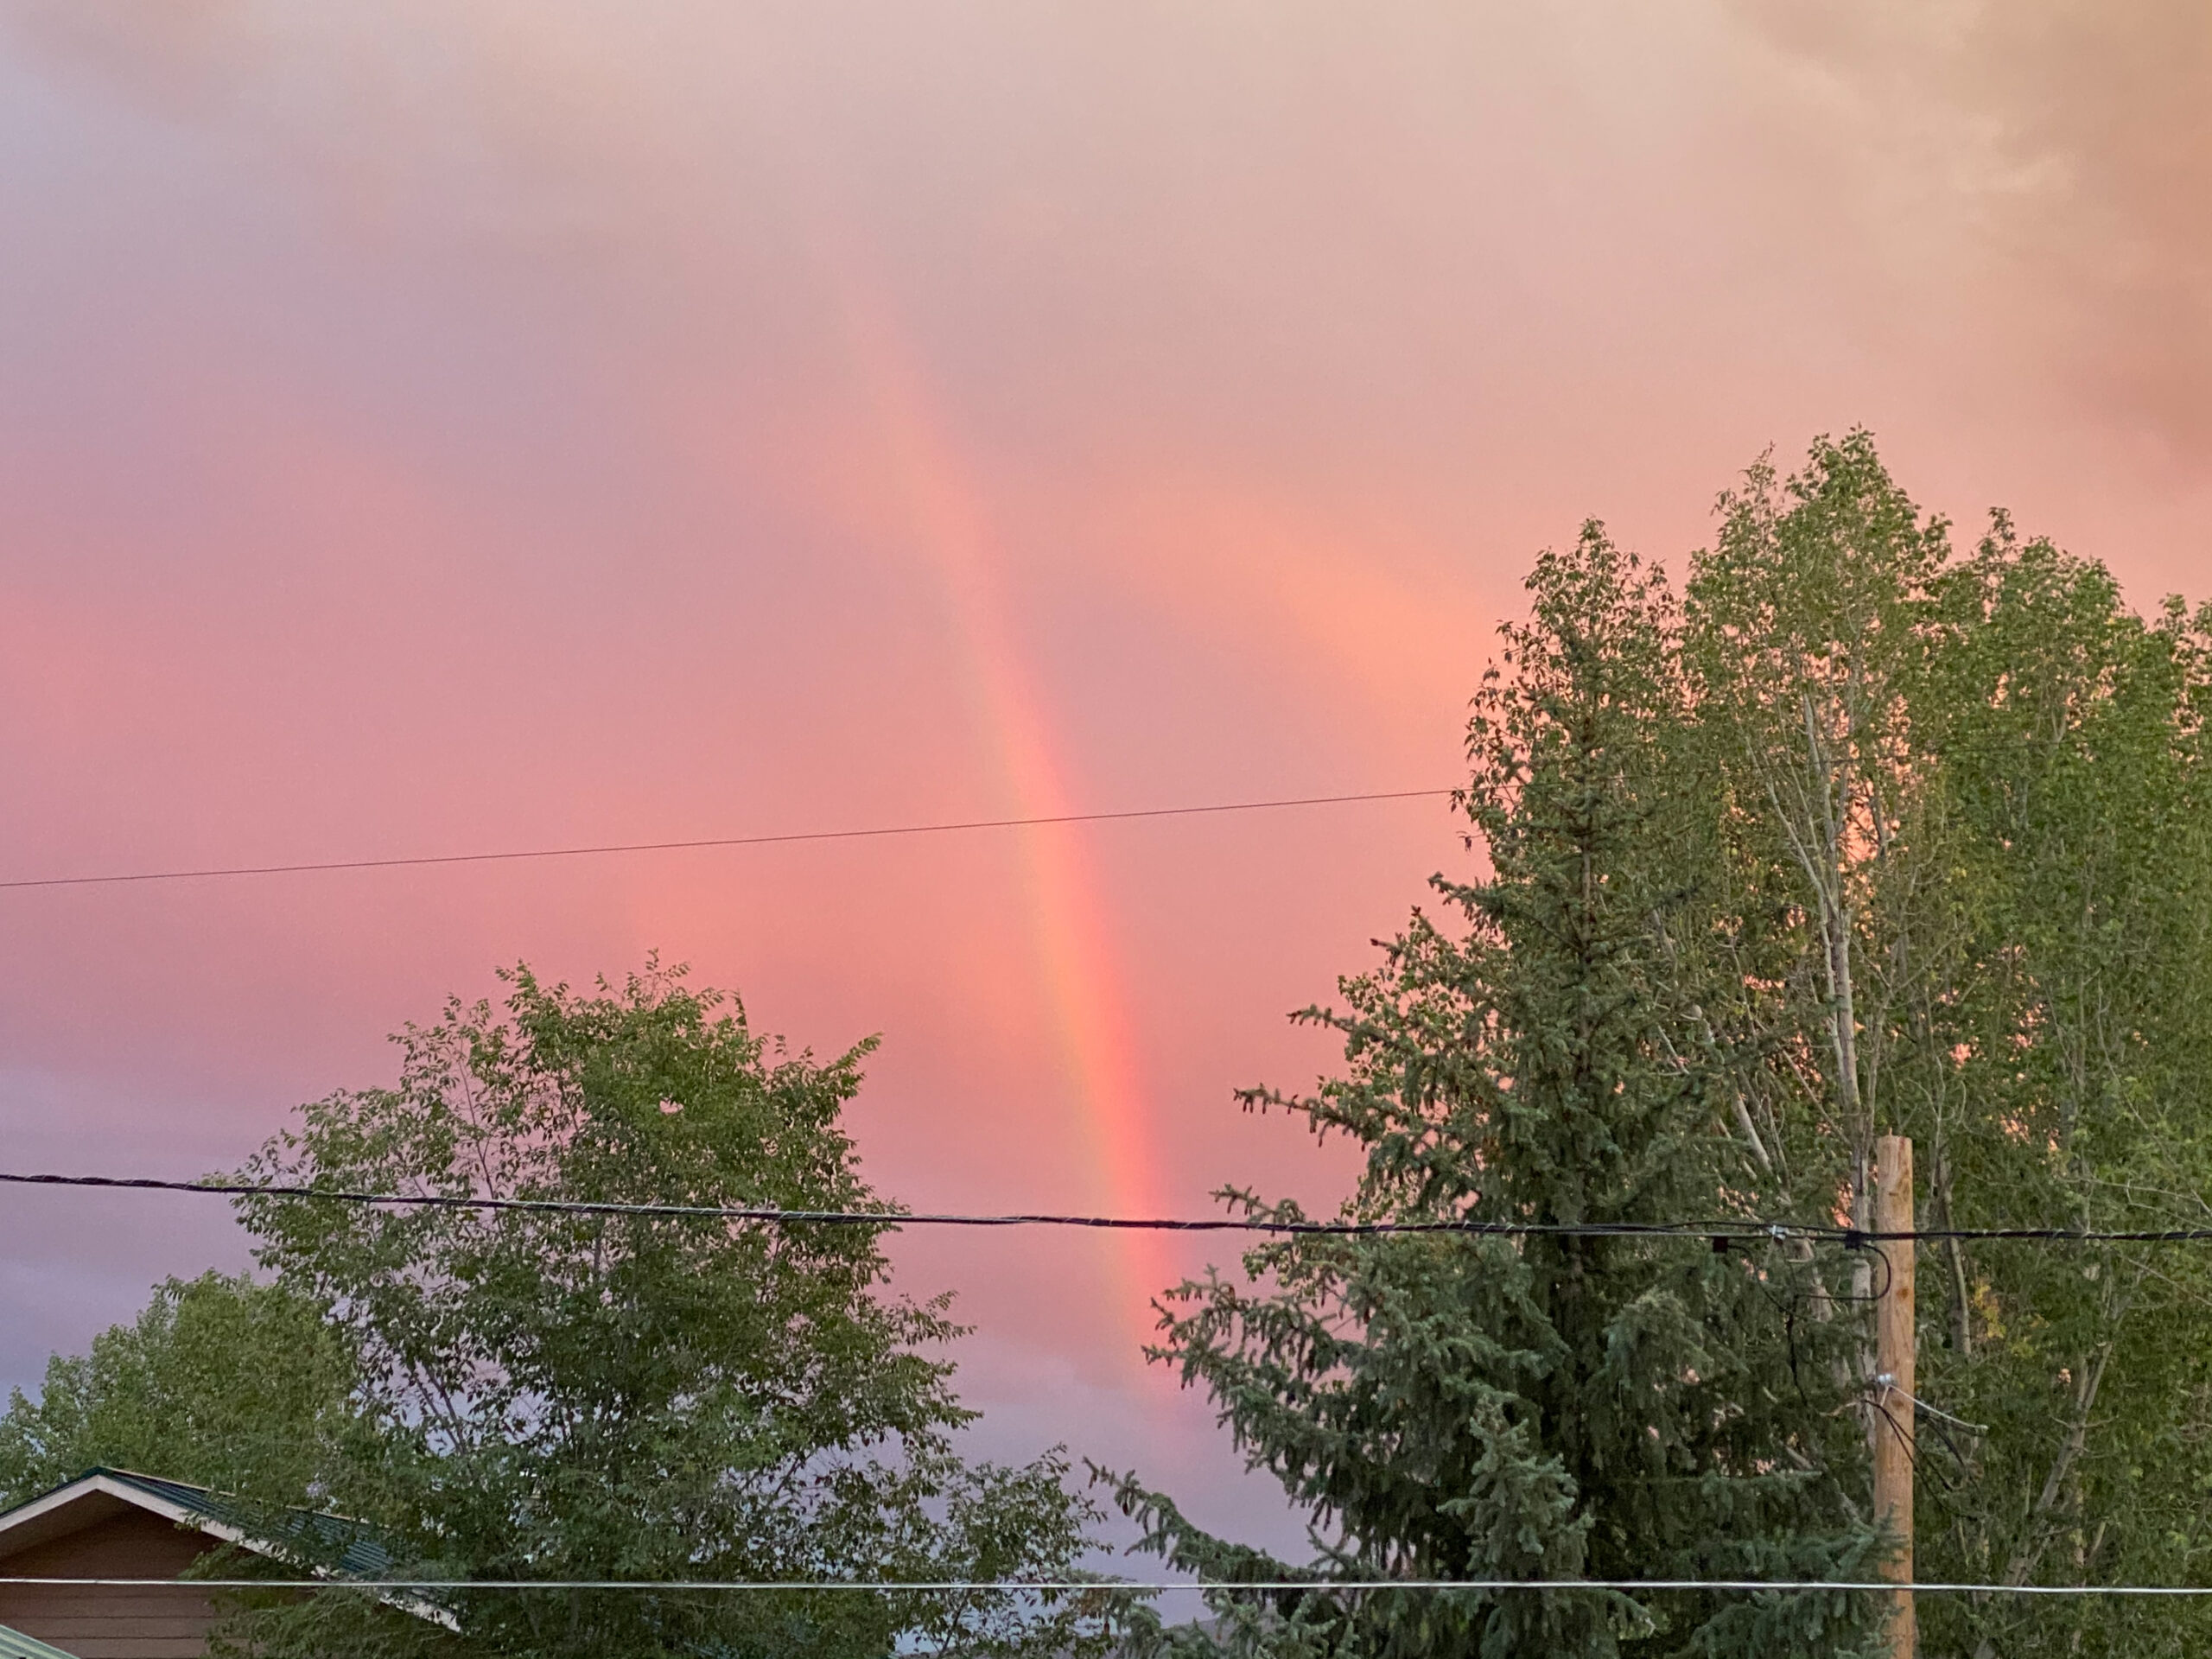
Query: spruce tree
1482	1407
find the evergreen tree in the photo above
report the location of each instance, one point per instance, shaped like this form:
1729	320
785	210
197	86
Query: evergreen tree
1455	1406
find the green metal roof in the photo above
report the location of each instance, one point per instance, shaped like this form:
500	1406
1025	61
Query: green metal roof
315	1535
333	1544
14	1644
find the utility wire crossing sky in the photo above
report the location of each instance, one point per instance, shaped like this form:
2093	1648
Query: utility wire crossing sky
876	833
1717	1229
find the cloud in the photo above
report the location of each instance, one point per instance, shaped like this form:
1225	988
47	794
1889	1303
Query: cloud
2063	150
178	56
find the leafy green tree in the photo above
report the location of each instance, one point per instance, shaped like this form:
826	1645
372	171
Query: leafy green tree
591	1396
2066	1080
1806	630
1961	871
222	1382
1461	1406
1877	837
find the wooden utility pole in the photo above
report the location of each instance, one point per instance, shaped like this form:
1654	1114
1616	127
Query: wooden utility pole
1894	1383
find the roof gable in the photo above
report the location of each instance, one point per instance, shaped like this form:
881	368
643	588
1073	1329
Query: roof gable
95	1495
99	1494
349	1546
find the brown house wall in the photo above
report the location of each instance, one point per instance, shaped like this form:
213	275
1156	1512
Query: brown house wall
112	1623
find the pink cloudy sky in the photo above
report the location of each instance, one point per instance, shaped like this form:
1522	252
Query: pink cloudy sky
427	426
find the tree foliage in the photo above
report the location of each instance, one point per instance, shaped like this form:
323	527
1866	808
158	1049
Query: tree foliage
1980	872
222	1382
1860	835
568	1396
2063	1076
1543	1407
557	1395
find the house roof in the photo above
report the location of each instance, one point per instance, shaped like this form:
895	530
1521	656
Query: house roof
347	1547
98	1493
14	1644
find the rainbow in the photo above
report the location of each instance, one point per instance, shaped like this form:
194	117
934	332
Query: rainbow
938	506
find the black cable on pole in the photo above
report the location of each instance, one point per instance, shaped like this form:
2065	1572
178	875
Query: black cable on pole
878	832
1718	1229
1740	1230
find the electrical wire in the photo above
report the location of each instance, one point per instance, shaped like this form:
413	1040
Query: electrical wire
1057	1586
1722	1228
1715	1228
1888	1384
2051	1235
879	832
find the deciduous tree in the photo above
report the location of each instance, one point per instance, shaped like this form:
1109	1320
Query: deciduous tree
222	1382
565	1396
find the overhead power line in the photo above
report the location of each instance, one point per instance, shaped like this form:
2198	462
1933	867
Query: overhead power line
1697	1230
875	833
1737	1229
1057	1586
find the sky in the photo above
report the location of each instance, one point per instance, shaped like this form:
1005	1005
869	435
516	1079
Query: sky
432	427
